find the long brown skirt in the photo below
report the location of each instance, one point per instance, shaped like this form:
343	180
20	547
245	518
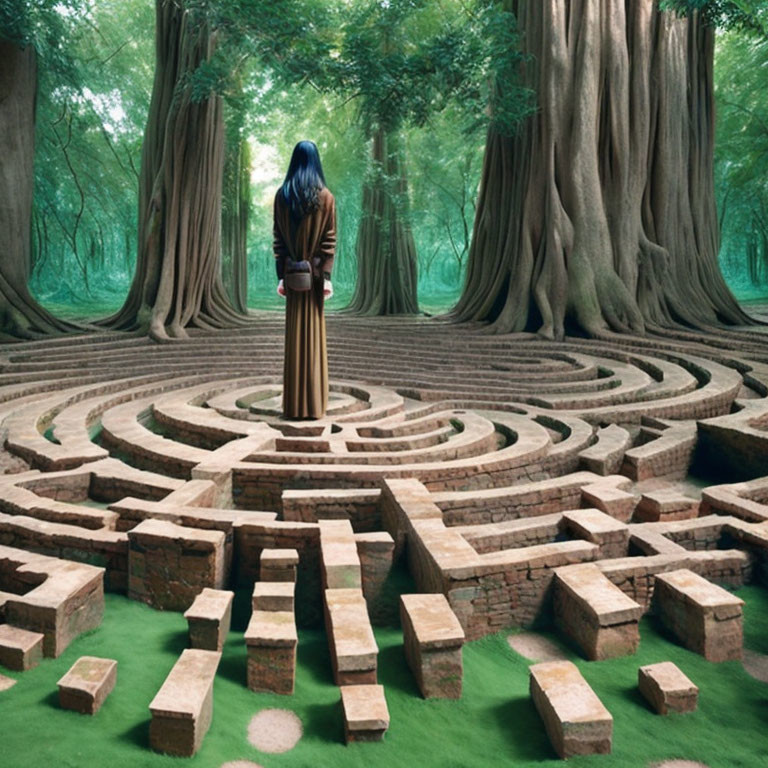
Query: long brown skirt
305	366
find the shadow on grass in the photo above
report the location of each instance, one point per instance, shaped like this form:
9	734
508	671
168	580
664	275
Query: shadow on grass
633	696
241	610
175	642
522	727
234	662
51	699
324	722
394	672
313	656
138	734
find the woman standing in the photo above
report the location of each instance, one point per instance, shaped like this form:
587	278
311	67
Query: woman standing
305	230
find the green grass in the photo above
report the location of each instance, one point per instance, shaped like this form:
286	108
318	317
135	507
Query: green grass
494	723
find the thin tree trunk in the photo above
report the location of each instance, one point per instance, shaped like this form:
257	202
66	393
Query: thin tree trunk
386	252
234	221
601	210
178	268
21	317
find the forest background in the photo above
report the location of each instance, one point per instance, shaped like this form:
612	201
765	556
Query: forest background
92	109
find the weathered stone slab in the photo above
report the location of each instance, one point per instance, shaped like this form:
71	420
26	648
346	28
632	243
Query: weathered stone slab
366	716
87	684
666	504
272	639
338	553
376	551
705	617
616	502
611	535
350	637
666	688
169	564
433	639
278	564
575	719
273	596
209	618
20	649
595	613
67	598
182	710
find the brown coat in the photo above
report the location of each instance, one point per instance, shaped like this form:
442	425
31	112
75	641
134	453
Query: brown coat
315	238
305	365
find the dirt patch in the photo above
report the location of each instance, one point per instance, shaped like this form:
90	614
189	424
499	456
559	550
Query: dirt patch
536	647
274	730
756	665
678	764
240	764
6	682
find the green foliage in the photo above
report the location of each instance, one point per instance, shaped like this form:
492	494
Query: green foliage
750	15
88	145
742	159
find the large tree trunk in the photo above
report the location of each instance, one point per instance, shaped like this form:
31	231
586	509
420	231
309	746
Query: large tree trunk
386	252
234	222
21	317
178	268
601	210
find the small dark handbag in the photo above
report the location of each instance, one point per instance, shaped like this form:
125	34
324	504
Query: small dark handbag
298	275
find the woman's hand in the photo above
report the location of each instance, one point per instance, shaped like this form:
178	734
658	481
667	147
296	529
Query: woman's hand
327	289
281	289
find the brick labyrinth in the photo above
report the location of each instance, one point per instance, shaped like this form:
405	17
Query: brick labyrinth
526	481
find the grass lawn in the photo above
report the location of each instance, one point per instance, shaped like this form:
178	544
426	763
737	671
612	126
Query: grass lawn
494	724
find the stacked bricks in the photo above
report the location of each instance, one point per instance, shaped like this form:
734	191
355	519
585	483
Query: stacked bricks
209	618
375	551
271	636
170	564
433	641
278	564
614	501
20	649
704	617
353	647
664	505
594	613
666	688
87	684
182	710
575	719
67	598
366	717
610	535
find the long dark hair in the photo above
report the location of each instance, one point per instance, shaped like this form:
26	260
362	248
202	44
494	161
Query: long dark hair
304	180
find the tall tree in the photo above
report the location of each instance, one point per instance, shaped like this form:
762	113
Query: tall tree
600	210
178	270
236	206
386	251
20	315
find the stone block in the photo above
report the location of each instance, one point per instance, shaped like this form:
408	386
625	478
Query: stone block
170	564
704	617
182	710
209	618
575	719
273	596
353	647
366	717
338	553
278	564
20	649
271	639
595	613
87	684
433	640
666	688
665	504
